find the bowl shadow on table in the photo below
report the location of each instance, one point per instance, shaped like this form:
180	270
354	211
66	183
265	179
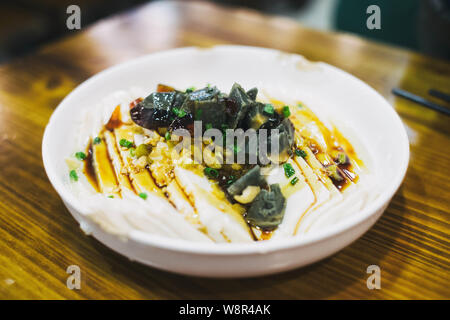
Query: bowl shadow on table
340	275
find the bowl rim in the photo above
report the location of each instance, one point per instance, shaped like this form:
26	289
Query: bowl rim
233	248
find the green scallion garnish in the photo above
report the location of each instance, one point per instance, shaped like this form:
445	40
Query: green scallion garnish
190	89
73	175
294	181
288	170
125	143
167	136
132	152
80	155
341	158
286	111
111	197
269	109
143	195
211	173
97	140
300	153
178	112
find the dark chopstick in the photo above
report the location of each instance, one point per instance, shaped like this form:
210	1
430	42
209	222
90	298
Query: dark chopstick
417	99
440	95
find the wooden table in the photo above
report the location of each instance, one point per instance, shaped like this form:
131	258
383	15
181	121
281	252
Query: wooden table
39	239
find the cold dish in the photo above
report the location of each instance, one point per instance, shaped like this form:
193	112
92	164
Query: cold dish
204	165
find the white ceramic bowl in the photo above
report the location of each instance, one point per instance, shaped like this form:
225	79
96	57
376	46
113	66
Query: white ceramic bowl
322	87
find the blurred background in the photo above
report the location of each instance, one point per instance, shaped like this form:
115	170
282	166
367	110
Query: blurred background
418	25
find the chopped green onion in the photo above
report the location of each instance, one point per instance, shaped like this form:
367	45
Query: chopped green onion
190	89
179	112
111	197
132	152
341	158
143	195
80	155
167	136
125	143
299	105
269	109
300	153
208	126
210	172
288	170
73	175
97	140
286	111
294	181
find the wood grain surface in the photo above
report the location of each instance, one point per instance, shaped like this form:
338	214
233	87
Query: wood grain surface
39	239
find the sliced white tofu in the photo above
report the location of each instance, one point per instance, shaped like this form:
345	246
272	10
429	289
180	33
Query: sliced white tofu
116	160
317	167
154	215
321	193
141	179
327	195
299	198
104	171
308	125
316	212
177	197
223	221
159	215
353	199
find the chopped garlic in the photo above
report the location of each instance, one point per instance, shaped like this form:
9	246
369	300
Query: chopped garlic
248	194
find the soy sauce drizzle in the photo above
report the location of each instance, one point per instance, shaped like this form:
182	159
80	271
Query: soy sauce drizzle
89	170
115	121
346	171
